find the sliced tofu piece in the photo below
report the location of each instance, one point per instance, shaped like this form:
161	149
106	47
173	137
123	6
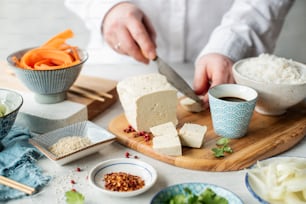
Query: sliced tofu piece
192	135
168	145
165	129
191	105
148	100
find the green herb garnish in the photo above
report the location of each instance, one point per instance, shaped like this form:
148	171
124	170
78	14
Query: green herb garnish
74	197
206	197
223	146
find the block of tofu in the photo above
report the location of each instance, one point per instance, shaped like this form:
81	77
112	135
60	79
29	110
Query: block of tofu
191	105
168	145
192	135
148	100
164	130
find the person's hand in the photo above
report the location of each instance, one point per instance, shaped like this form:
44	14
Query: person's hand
211	70
128	31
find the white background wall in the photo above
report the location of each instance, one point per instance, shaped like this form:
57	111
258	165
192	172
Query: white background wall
292	40
28	23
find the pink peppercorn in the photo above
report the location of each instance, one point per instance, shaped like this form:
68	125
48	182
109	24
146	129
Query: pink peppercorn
127	154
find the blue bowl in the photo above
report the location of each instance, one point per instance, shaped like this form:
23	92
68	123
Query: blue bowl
165	194
49	86
12	101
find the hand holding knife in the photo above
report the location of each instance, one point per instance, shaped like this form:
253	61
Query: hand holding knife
176	80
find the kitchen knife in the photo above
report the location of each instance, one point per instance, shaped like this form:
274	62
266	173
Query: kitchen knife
176	80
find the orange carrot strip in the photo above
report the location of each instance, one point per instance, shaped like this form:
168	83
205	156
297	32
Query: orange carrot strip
55	43
58	67
38	54
63	35
54	54
74	53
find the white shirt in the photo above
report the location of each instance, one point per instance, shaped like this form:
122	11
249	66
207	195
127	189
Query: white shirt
187	29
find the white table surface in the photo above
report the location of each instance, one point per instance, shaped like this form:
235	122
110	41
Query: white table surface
167	174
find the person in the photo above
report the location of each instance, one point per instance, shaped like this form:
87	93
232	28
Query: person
211	33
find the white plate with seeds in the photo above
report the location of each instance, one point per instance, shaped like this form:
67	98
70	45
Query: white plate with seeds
127	167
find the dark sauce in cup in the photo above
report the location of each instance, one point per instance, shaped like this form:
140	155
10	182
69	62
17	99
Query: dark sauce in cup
233	99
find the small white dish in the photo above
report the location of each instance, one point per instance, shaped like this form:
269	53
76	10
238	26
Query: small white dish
97	135
167	193
131	166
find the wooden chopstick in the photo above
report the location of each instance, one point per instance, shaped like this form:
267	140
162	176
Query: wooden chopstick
16	185
79	91
103	94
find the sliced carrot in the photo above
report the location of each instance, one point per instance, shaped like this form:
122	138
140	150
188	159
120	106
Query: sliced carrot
63	35
54	54
74	53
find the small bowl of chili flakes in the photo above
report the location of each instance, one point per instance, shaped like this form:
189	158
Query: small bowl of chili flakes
123	177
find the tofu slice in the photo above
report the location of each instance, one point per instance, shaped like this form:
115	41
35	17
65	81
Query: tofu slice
168	145
191	105
192	135
165	129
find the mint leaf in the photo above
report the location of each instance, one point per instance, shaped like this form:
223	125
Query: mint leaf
222	147
210	197
227	149
218	152
222	141
206	197
74	197
178	199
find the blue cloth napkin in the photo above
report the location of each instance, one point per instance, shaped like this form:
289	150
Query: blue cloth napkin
18	162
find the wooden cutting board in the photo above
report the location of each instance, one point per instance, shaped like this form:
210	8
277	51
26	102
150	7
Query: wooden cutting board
95	84
98	87
267	136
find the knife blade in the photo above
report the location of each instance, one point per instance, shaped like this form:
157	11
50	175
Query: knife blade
176	80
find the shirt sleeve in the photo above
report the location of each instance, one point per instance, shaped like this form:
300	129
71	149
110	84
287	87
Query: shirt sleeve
249	28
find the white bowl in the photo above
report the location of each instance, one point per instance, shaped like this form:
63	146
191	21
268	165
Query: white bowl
273	99
97	135
127	165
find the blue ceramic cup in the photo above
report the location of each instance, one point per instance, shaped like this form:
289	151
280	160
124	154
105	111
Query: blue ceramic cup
231	107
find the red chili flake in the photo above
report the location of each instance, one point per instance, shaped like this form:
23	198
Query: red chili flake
147	137
129	129
73	190
127	154
72	182
78	169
